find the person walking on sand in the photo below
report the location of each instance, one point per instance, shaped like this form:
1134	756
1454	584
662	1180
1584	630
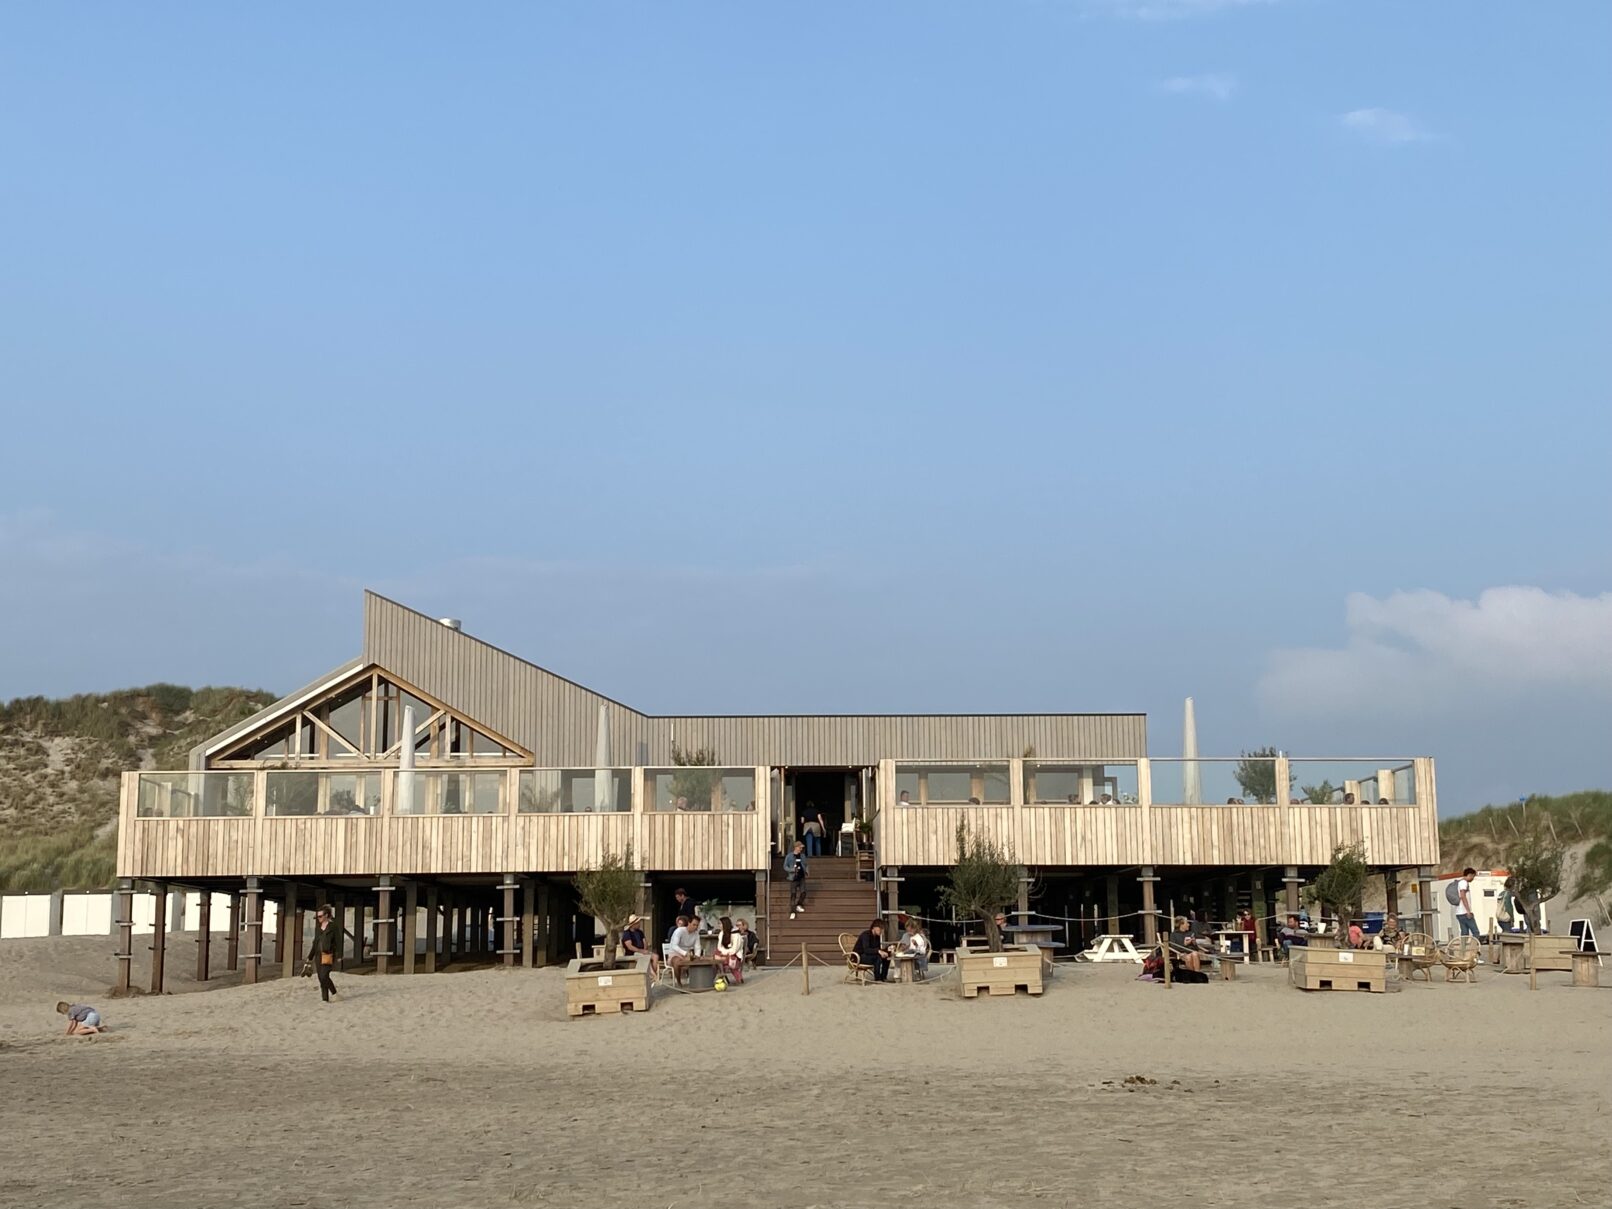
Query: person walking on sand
322	954
1465	919
795	873
82	1019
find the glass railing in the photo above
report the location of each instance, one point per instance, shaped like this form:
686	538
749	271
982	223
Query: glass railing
1248	781
194	795
1058	783
1363	782
300	794
953	784
575	791
437	791
700	788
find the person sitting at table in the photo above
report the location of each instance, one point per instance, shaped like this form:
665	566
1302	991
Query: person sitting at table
914	943
870	950
1357	936
633	943
1186	945
1389	935
1245	925
730	948
1290	935
747	938
683	946
1002	927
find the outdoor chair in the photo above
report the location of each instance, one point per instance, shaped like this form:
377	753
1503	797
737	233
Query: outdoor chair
1460	959
1423	951
855	971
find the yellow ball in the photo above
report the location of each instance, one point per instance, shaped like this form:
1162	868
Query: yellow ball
721	984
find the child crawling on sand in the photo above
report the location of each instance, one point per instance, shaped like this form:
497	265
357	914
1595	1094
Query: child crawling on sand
82	1019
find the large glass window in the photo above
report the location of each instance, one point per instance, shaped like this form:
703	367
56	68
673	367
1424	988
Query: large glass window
1055	783
190	795
1384	782
701	788
983	784
433	791
575	790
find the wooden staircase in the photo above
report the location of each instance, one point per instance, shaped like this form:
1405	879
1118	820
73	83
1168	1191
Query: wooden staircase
837	900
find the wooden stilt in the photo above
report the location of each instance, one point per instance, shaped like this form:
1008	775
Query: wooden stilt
282	935
232	944
432	922
805	971
506	932
204	934
411	915
545	924
1150	923
159	938
1290	889
383	927
252	901
762	917
1113	904
125	926
528	923
291	959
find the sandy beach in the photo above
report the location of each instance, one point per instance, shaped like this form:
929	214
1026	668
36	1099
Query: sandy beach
473	1088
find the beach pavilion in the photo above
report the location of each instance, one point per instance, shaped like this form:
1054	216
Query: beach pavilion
440	793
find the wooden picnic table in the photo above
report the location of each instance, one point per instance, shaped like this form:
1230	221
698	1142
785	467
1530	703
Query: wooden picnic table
1112	947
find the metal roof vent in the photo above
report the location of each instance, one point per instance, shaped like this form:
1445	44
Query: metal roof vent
453	623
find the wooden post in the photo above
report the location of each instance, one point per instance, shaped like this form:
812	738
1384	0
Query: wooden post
431	929
506	934
1150	923
411	915
1024	901
1164	941
1113	904
762	914
282	935
892	900
805	970
232	944
1391	890
545	925
383	926
125	926
204	933
1290	888
338	916
1424	900
1533	966
1260	908
291	929
360	931
253	902
159	938
528	923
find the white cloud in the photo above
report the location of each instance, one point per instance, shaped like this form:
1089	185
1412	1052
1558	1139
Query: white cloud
1171	10
1217	86
1384	126
1418	650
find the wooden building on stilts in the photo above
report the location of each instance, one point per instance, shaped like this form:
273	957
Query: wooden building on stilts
440	793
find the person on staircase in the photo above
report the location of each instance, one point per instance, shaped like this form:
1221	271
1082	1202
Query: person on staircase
795	874
813	828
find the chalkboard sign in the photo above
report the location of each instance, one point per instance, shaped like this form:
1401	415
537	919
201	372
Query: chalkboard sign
1584	932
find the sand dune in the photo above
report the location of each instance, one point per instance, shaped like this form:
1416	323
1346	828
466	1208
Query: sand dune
474	1089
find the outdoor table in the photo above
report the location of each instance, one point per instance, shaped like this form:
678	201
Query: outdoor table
1225	936
1514	954
904	964
1034	934
1406	964
1109	947
701	974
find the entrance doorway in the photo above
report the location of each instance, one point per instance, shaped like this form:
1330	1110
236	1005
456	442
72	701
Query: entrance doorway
834	793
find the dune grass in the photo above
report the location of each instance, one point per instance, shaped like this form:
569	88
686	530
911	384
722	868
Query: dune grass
1486	837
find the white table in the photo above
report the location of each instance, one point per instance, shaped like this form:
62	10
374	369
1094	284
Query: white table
1112	948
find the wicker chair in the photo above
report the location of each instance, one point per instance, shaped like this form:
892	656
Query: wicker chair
1423	951
1460	959
855	970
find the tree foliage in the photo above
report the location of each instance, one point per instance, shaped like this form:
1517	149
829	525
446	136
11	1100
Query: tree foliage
1535	865
1256	773
1318	795
984	880
1340	885
609	891
696	777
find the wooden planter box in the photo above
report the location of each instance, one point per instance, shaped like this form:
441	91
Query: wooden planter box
1552	952
591	990
1000	973
1313	969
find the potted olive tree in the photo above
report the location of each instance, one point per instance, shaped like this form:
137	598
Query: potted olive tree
608	891
1338	888
985	880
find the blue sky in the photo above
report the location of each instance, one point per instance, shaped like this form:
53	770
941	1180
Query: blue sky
1047	356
